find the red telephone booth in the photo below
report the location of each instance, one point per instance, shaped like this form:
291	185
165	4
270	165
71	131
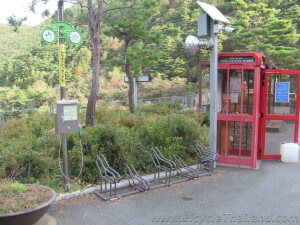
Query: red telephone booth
252	100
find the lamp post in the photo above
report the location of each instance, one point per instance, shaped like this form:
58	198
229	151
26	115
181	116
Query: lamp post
209	25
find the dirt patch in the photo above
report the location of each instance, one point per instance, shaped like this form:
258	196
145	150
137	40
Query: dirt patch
24	197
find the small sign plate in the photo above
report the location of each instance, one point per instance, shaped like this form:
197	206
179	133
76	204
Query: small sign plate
143	78
236	59
70	113
282	92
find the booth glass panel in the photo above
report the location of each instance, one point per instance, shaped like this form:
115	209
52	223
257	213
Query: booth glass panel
222	94
247	139
235	83
240	140
281	96
248	92
278	132
230	143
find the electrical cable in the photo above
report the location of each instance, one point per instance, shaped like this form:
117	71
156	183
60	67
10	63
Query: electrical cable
59	162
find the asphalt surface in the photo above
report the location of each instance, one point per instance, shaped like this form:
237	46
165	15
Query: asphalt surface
270	195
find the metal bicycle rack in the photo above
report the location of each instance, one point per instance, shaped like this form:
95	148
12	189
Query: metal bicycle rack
204	155
135	180
108	175
167	172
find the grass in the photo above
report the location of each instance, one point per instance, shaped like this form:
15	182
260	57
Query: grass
16	197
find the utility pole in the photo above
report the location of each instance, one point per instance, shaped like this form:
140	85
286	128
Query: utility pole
61	56
213	90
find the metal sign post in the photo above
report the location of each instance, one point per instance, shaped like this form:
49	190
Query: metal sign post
62	83
142	78
59	31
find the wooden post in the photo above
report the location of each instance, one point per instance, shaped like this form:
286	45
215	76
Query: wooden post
200	87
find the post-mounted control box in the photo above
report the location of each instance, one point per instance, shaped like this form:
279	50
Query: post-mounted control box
66	116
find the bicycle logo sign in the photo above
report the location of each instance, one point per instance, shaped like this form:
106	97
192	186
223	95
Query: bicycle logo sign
57	30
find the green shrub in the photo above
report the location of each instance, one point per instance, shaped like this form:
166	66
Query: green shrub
173	134
26	148
118	144
17	187
29	146
6	186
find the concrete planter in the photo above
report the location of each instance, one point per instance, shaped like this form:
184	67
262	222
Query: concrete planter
27	217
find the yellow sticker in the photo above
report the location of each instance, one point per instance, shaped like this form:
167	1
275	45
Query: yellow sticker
62	71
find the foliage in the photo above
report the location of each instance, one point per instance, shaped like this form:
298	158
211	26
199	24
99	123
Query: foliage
163	108
133	26
177	19
260	28
173	134
29	146
6	186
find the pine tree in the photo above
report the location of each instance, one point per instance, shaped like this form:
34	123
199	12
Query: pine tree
260	28
134	27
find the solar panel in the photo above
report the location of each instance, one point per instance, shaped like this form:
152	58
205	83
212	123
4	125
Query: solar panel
213	12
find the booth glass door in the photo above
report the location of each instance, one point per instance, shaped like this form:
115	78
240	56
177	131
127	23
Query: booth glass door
280	111
236	123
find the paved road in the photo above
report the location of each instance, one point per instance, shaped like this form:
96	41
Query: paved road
232	196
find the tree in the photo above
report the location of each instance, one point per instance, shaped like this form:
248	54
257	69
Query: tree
177	19
260	28
94	21
134	27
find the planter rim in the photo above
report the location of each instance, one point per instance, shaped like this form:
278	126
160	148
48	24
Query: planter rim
40	206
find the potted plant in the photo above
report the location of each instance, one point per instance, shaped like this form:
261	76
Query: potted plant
23	204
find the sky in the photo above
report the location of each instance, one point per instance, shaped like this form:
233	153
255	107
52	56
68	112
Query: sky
20	8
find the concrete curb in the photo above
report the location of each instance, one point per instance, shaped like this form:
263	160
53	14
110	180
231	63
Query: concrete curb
121	184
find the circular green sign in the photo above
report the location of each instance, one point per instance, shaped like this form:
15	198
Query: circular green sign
75	37
48	35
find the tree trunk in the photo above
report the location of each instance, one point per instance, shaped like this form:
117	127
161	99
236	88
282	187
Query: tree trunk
94	31
130	79
91	106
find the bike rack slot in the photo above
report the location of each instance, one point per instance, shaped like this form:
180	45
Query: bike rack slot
135	180
107	175
162	164
205	157
190	173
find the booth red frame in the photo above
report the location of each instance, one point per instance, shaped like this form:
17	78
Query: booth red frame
266	116
257	67
259	115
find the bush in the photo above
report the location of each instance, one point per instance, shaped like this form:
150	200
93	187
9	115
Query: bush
26	148
29	146
120	145
173	135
